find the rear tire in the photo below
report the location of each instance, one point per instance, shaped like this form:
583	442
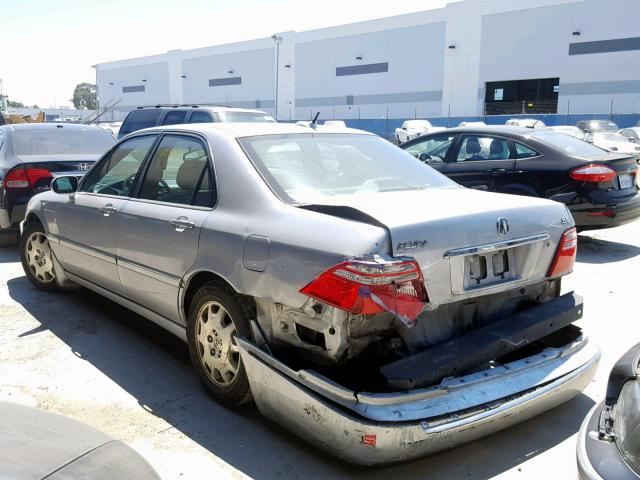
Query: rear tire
8	239
37	258
216	315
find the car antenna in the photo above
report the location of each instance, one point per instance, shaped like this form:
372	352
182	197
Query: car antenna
314	122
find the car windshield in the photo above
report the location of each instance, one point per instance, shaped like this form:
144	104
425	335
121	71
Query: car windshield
248	117
603	125
62	141
569	144
310	168
418	124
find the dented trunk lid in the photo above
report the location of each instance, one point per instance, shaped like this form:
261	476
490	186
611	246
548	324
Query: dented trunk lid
441	227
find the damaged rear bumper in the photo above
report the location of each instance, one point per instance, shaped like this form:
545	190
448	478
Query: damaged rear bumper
379	428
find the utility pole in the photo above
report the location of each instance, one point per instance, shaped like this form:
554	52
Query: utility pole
278	40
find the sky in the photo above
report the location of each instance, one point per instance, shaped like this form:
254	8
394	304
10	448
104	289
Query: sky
49	46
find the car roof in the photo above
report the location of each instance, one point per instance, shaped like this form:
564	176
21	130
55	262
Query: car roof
48	126
492	130
213	108
247	129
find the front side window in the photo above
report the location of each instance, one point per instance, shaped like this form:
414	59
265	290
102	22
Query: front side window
522	151
322	167
179	173
433	149
117	172
174	117
478	147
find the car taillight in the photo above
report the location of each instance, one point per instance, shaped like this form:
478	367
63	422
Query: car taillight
565	256
25	177
593	173
373	284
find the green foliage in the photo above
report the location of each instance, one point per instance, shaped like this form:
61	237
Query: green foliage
12	104
85	95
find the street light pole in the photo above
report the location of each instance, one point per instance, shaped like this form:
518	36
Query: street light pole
278	40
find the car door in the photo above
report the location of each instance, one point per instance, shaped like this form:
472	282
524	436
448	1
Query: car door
481	161
159	230
432	149
86	224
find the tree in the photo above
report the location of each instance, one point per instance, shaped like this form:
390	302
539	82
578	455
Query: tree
12	104
85	95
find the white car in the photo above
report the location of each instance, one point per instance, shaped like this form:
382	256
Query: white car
112	127
633	134
614	142
472	124
413	129
569	130
525	122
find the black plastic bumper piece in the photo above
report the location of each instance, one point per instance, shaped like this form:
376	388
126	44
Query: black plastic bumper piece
483	345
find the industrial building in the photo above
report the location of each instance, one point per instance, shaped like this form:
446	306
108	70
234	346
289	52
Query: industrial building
470	58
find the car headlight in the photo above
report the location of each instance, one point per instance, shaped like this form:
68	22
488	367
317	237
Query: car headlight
626	423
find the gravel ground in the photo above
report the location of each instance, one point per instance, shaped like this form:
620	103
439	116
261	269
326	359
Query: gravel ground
85	357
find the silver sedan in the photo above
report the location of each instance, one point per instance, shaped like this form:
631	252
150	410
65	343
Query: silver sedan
359	297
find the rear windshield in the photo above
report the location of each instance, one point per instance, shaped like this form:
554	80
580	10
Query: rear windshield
249	117
307	168
569	144
61	141
139	119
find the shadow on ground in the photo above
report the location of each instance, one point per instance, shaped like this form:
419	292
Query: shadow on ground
153	366
595	250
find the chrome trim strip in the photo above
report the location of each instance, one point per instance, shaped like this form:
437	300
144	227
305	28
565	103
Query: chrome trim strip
92	252
158	275
491	247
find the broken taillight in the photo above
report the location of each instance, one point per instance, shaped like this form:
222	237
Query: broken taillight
565	256
373	284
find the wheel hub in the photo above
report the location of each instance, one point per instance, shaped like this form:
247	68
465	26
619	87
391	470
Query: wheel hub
39	258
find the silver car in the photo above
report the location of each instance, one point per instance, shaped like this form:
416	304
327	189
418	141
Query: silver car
359	297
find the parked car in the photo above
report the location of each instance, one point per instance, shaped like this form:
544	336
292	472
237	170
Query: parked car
569	130
609	439
112	127
525	122
39	445
31	154
590	126
146	117
362	299
472	124
414	128
613	142
632	134
600	188
335	123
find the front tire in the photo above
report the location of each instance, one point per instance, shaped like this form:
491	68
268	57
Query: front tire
216	316
37	258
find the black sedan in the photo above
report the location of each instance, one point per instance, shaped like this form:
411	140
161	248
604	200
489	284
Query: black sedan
31	154
609	439
600	188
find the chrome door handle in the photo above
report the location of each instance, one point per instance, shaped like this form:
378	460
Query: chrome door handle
496	171
180	224
108	210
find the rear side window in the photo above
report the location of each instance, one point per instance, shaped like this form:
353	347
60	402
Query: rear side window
522	151
139	119
201	117
174	117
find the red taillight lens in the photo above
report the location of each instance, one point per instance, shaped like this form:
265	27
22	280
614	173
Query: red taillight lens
26	177
565	256
372	285
593	173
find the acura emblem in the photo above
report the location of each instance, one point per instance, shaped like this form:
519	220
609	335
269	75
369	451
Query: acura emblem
84	166
503	226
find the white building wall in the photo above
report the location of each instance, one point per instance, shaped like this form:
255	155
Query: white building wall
494	40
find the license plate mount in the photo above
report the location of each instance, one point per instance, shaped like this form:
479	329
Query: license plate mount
625	181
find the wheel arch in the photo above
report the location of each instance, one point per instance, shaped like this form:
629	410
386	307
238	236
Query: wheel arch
192	283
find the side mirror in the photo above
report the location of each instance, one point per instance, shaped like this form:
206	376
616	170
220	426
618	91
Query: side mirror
66	184
423	157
